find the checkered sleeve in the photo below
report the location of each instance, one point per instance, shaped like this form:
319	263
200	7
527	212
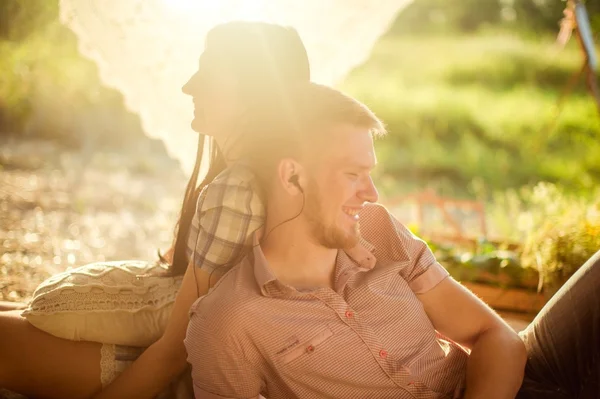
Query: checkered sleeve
227	213
424	272
395	241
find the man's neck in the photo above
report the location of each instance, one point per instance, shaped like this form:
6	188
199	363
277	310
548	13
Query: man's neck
296	259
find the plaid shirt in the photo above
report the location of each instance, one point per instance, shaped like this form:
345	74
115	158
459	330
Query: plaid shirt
229	210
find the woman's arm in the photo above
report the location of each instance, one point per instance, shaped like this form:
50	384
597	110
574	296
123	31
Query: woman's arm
6	306
166	359
227	201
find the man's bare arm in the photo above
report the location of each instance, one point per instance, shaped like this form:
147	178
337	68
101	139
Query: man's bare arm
496	365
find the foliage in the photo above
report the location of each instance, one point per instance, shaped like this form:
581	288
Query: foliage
558	230
467	109
563	232
539	16
542	235
494	266
47	89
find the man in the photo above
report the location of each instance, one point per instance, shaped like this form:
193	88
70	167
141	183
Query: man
298	318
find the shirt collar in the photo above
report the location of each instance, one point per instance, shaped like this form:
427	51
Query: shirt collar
370	247
262	272
268	283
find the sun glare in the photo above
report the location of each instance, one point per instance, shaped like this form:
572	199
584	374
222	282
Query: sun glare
148	48
241	9
187	5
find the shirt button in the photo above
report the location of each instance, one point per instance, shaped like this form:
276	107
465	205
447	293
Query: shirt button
349	314
310	349
383	353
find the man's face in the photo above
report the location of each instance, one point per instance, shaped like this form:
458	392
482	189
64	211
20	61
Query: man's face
215	97
339	185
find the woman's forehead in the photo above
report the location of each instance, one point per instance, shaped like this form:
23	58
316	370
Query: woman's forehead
206	64
204	59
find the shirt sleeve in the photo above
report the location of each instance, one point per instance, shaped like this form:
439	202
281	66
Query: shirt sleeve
423	271
227	213
395	243
218	370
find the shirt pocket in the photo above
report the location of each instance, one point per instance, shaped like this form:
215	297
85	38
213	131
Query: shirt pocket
308	354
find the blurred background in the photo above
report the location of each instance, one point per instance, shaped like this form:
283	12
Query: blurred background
493	154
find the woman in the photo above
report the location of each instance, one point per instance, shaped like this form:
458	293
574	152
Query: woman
245	68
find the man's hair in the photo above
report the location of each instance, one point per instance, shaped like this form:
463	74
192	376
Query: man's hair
300	123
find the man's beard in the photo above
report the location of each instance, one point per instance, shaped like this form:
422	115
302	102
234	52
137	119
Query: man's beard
329	236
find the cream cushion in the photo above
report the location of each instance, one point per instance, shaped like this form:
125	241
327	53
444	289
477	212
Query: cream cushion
122	303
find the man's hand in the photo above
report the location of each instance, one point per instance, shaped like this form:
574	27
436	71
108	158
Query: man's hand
496	365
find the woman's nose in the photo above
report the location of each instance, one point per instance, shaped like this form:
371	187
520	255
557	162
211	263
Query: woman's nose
189	87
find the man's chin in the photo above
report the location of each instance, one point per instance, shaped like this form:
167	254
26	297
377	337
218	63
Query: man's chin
342	240
352	236
351	241
336	236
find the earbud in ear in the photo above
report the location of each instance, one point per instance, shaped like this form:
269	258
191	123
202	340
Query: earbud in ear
295	182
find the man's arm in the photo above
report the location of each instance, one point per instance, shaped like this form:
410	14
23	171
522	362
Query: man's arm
496	365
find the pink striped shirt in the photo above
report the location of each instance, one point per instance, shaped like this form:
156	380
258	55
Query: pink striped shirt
368	338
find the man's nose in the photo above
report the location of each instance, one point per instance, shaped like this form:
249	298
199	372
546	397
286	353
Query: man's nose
369	193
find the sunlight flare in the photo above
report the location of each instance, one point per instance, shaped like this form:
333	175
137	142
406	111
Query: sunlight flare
147	49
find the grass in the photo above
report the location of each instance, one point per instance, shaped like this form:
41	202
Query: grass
477	116
480	107
47	88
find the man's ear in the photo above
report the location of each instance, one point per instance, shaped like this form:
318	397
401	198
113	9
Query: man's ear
289	176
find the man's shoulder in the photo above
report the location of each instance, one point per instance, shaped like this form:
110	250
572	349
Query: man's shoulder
235	295
376	219
380	228
374	210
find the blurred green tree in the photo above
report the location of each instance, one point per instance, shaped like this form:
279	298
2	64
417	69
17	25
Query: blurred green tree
470	15
47	88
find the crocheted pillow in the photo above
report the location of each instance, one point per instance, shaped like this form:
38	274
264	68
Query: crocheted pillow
123	303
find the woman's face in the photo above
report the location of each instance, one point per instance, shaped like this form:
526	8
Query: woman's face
215	98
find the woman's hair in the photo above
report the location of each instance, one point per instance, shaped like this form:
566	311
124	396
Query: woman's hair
265	60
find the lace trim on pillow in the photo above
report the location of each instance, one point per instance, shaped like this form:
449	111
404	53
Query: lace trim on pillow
106	286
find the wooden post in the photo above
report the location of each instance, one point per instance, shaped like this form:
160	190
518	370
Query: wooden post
593	85
584	37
